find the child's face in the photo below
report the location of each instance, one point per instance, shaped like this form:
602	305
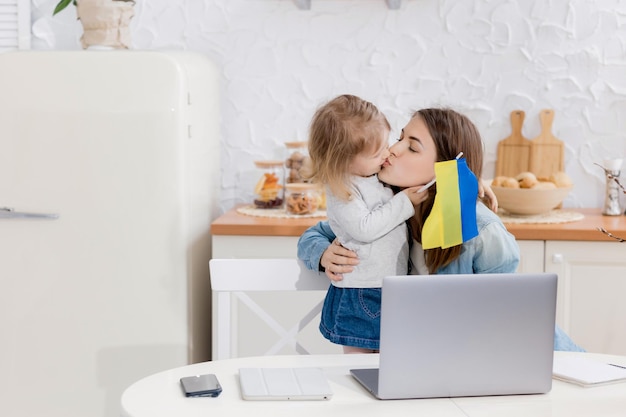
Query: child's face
369	162
412	160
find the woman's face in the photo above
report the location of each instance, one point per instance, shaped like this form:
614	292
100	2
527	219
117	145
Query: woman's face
412	159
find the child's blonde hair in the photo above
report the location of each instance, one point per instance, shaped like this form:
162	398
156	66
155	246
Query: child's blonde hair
340	130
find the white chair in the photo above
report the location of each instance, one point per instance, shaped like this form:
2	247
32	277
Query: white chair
233	279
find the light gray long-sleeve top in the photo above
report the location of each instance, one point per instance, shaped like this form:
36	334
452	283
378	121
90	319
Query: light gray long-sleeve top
371	223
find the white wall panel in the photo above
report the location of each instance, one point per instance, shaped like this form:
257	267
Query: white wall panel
485	58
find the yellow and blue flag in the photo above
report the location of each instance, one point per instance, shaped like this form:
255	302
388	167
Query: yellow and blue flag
452	219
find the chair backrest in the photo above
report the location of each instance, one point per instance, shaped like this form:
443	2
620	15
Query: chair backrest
237	279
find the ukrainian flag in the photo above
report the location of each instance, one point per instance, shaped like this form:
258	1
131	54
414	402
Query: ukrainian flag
452	220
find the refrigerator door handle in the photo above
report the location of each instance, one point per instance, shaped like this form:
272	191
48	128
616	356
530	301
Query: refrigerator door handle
9	213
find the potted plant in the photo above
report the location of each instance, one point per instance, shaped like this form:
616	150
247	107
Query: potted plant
105	22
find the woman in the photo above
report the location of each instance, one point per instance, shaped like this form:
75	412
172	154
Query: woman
432	135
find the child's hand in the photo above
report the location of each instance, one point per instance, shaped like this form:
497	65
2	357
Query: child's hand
415	196
486	194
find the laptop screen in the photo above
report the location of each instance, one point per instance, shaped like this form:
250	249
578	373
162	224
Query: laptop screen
466	335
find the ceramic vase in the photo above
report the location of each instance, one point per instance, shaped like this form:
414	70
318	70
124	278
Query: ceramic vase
106	23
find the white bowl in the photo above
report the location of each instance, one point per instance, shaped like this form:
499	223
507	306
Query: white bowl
529	201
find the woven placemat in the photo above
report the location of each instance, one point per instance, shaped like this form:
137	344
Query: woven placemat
553	216
277	213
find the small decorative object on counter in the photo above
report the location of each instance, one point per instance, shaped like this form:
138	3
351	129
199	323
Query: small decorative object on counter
106	23
302	198
269	188
611	200
297	154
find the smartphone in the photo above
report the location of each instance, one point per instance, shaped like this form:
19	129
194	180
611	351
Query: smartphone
201	386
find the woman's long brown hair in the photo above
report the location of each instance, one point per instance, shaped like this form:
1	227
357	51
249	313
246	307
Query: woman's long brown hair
452	133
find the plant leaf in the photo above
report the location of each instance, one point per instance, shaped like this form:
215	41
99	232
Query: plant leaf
62	5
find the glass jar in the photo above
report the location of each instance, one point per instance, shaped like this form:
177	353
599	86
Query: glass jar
269	188
302	198
297	154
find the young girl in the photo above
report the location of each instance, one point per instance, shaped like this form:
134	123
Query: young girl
348	145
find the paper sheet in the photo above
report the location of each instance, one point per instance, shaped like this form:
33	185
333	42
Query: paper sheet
587	372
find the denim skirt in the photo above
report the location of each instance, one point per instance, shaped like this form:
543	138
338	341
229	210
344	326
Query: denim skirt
351	317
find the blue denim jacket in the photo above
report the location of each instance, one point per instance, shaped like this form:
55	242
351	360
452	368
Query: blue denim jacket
494	250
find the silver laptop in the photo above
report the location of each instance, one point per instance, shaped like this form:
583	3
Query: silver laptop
464	335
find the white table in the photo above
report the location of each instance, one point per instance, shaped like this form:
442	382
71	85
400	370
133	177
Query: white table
160	395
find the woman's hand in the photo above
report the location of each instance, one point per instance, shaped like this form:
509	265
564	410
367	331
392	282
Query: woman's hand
486	194
338	260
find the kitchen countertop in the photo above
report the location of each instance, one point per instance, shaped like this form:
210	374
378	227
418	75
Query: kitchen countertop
585	229
233	223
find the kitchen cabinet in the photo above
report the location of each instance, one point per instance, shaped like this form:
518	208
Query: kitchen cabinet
592	276
592	283
591	267
592	286
531	255
253	247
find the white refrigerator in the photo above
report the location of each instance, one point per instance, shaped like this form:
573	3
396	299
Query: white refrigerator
109	173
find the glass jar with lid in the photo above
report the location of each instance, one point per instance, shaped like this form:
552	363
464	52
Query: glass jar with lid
302	198
297	154
269	188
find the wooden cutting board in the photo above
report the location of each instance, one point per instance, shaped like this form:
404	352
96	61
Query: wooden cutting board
546	151
514	151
